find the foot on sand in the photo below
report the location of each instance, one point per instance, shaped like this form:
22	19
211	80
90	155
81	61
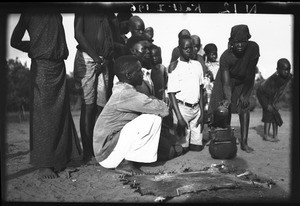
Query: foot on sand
247	149
275	139
127	167
47	173
267	138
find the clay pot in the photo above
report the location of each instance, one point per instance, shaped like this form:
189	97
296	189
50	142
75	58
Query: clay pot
221	117
223	143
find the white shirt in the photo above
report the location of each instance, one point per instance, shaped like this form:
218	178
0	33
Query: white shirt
185	81
213	67
147	76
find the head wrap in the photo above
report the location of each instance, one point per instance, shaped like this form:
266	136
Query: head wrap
239	33
210	47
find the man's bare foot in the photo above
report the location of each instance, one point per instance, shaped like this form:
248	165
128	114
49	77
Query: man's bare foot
47	173
127	167
247	149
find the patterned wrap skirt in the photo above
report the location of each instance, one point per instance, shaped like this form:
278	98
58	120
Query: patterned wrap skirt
53	136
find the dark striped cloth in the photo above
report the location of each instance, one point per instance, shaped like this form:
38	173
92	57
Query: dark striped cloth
242	74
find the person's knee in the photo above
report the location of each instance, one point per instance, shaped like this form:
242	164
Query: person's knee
151	117
143	122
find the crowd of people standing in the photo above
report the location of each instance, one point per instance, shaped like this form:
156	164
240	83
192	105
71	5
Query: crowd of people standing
134	109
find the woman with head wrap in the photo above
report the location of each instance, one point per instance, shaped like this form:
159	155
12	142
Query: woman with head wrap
235	79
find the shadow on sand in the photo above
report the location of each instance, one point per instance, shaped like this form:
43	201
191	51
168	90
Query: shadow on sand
10	156
20	173
259	130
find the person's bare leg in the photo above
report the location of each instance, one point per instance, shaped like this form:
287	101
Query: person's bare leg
275	132
87	121
47	173
127	167
266	136
268	129
244	122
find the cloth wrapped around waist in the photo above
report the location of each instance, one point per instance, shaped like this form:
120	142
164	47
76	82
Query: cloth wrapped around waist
277	117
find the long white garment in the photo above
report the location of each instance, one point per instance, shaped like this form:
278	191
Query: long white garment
138	141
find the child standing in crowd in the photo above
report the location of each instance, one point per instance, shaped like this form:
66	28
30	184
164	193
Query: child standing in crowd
208	86
149	33
196	56
268	94
197	46
211	55
168	147
159	74
185	89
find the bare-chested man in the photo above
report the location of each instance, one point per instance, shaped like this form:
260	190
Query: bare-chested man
93	63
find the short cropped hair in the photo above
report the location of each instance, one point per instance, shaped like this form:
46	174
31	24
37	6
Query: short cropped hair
133	19
135	39
149	29
283	61
210	47
124	64
153	46
183	37
182	33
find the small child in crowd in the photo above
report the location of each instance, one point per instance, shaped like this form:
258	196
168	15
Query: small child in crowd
168	147
185	90
196	48
208	86
149	33
211	55
159	74
268	94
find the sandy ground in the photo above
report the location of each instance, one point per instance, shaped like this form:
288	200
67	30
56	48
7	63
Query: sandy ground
92	183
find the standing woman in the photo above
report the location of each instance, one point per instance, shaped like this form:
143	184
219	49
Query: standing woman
53	137
235	79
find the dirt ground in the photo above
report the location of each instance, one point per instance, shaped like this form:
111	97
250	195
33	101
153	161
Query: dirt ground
92	183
